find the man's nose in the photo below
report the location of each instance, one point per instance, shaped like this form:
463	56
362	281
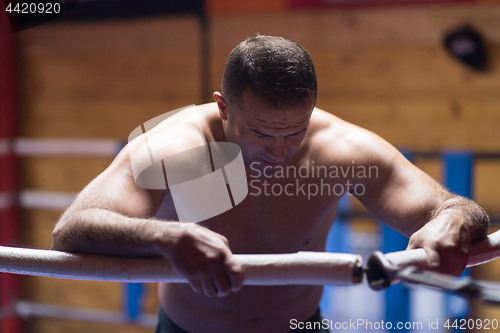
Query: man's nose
278	149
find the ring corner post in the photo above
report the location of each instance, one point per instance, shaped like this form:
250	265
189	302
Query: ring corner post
9	210
205	49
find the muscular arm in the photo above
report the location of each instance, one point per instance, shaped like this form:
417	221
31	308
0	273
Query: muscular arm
111	216
412	203
406	198
114	216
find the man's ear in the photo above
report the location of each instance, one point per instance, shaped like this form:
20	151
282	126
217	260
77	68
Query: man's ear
221	104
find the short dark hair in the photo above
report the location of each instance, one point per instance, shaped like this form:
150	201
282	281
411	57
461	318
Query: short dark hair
279	71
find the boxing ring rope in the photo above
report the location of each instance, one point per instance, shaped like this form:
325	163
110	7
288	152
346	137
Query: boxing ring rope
480	253
308	268
314	268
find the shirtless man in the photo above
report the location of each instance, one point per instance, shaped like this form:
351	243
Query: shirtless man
267	108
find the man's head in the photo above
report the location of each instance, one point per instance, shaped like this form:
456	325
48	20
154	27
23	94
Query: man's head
280	72
269	91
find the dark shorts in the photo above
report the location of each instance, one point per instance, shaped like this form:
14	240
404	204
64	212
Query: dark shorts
166	325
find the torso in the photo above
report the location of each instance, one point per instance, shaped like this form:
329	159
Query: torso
260	224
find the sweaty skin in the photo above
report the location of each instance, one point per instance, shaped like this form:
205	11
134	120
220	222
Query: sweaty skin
114	216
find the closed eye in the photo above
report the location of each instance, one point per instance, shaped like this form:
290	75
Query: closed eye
262	135
259	134
294	134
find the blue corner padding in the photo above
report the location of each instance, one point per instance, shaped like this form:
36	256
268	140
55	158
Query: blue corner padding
458	178
132	297
397	297
457	172
337	241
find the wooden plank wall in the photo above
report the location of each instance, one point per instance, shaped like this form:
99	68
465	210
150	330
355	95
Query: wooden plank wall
95	80
381	68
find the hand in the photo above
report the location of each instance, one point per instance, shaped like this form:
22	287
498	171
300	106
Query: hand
203	257
446	240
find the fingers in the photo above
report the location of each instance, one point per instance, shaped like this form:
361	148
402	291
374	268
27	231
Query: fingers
227	272
447	247
234	273
447	259
220	280
227	275
465	241
205	259
195	285
456	254
208	286
433	259
454	264
219	275
209	283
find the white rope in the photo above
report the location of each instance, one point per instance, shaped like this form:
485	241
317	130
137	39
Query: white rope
310	268
485	251
33	199
64	146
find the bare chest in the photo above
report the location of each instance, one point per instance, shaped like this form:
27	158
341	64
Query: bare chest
276	217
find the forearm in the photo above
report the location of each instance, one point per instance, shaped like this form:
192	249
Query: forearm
476	215
99	231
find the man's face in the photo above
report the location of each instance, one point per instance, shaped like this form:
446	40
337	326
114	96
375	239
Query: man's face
268	137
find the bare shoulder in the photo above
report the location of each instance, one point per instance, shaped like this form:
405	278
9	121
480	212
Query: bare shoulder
182	129
335	141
